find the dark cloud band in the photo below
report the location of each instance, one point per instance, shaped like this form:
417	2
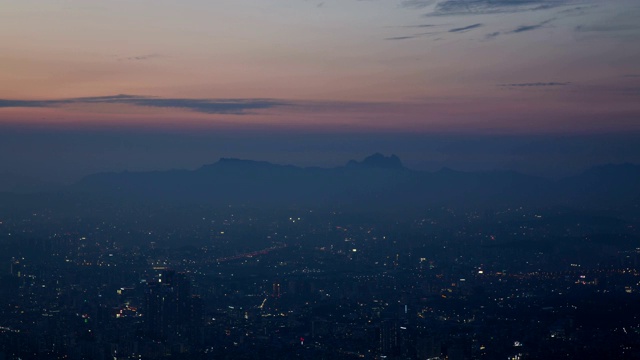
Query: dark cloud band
207	106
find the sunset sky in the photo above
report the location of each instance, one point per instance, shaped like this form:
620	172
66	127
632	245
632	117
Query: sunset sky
484	67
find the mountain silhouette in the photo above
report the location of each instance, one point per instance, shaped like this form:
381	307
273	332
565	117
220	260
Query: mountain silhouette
376	183
378	160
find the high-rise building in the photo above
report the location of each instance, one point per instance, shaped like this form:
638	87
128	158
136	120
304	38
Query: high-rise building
169	307
388	337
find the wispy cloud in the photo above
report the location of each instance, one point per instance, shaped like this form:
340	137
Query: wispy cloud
140	57
431	33
401	37
465	28
433	27
610	27
519	29
622	24
535	84
417	4
420	26
578	10
524	28
413	36
479	7
207	106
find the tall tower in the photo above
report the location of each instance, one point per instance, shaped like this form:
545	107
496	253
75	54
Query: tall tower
168	308
388	337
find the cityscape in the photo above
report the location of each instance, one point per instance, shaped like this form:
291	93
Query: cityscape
244	283
320	180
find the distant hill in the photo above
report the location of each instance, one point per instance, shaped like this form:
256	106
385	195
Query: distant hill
375	183
602	186
378	160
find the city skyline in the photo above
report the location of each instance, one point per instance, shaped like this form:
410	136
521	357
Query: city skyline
319	179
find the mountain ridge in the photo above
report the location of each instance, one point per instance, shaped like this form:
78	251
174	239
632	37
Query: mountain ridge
375	182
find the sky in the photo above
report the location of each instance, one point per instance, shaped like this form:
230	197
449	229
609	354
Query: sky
465	83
